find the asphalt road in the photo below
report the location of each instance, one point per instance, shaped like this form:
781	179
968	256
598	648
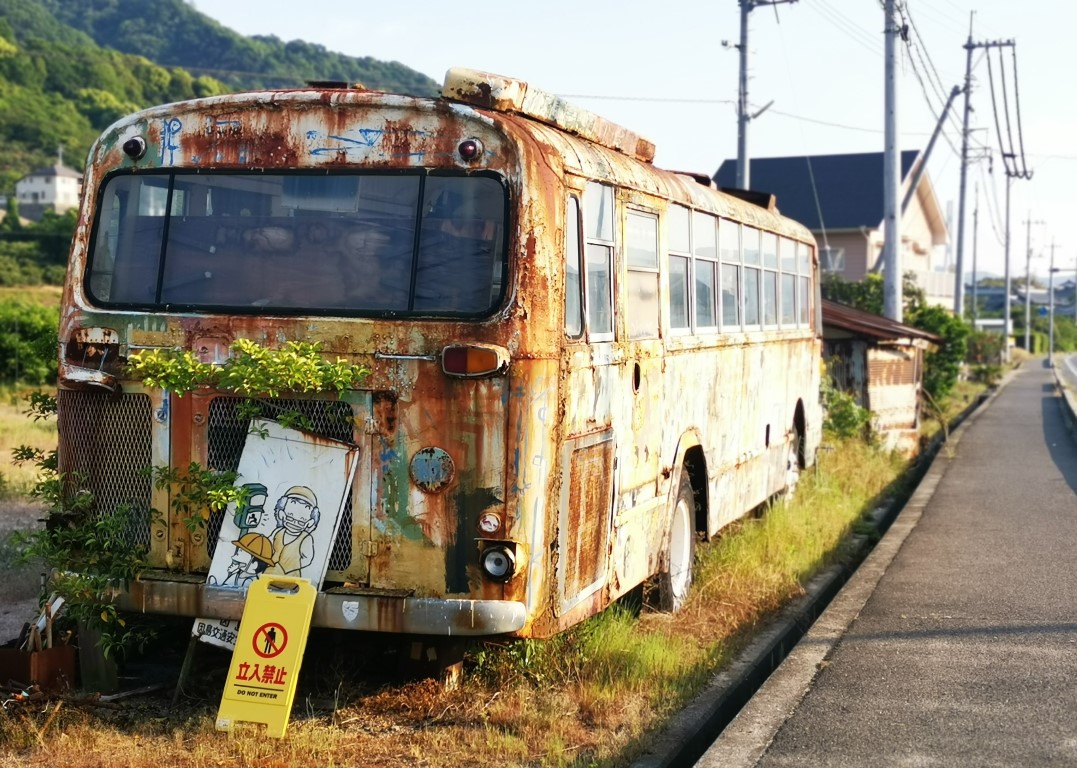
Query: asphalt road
963	648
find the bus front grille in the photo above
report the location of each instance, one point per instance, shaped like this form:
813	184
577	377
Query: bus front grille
104	451
228	425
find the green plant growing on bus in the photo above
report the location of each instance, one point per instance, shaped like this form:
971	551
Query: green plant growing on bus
251	370
194	492
91	555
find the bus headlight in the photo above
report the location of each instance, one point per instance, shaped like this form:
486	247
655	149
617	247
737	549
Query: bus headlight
498	562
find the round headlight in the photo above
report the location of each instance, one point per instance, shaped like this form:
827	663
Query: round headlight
498	562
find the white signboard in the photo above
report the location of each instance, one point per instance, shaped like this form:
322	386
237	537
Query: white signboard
296	487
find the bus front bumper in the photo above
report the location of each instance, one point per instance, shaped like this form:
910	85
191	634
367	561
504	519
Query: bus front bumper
361	610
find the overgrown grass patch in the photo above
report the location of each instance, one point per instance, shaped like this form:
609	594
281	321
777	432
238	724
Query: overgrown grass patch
593	696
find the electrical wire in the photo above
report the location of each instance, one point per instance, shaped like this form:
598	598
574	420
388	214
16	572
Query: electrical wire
998	129
1006	110
1017	106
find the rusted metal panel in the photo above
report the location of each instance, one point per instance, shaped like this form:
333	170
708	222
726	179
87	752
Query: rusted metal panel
586	513
333	610
893	388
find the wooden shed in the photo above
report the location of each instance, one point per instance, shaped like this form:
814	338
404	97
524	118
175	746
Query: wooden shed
879	362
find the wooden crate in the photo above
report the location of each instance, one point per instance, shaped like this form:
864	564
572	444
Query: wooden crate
51	668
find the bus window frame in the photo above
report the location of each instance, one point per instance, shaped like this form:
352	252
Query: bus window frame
574	227
715	266
172	177
651	269
608	246
737	265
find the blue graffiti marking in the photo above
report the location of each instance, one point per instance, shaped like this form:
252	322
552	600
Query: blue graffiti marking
172	127
365	139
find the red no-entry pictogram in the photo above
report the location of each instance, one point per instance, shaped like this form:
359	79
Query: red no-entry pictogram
269	640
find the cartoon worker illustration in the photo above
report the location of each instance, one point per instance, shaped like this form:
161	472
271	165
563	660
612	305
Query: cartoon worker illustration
259	556
250	507
297	516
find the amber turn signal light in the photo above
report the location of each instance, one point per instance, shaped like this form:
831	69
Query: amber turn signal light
472	361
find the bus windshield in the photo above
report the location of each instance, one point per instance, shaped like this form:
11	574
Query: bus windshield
402	244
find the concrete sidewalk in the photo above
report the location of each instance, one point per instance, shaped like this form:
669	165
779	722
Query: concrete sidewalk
956	641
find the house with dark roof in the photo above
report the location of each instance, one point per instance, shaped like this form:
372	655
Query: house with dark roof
840	199
880	363
54	187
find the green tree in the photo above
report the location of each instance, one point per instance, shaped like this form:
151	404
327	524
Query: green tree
942	367
28	343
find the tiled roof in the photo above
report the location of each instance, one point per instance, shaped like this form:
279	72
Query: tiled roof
849	188
56	170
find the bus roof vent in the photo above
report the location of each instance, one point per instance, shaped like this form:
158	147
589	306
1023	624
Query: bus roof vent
331	84
505	94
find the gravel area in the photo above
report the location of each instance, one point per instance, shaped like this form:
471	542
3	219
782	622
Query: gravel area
19	583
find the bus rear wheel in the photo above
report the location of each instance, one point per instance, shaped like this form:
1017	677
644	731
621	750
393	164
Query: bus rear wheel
675	580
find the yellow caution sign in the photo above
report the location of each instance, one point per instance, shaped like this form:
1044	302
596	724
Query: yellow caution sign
269	651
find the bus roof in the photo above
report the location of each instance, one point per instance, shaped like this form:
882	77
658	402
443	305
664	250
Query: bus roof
506	94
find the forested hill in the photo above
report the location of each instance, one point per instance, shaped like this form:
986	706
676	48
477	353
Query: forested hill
175	34
69	68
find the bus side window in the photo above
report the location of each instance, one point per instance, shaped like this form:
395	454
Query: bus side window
598	279
641	244
573	295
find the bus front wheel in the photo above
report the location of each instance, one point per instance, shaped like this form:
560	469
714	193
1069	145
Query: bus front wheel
676	577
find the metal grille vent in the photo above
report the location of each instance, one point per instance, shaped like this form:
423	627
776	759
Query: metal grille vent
228	432
104	448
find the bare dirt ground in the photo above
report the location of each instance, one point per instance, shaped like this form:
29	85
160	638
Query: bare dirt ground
19	583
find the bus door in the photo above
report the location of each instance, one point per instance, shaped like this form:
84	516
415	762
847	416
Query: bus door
588	455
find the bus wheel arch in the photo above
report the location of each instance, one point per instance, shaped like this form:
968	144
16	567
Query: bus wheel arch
795	458
674	579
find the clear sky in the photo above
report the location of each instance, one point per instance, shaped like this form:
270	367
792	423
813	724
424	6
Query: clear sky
660	68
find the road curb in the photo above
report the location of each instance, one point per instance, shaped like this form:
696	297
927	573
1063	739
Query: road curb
734	719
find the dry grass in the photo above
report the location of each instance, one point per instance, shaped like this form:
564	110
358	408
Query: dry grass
20	429
45	295
594	696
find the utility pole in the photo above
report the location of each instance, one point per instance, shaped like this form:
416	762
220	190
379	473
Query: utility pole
1028	279
1006	254
959	267
891	175
746	7
1051	304
975	229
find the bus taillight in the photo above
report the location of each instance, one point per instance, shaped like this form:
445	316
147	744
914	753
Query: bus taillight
471	361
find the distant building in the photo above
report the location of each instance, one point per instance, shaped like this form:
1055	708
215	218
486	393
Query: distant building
54	187
840	199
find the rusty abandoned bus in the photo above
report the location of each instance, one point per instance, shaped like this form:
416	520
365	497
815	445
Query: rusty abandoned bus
579	363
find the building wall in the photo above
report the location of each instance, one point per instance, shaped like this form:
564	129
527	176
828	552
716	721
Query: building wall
861	253
37	193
